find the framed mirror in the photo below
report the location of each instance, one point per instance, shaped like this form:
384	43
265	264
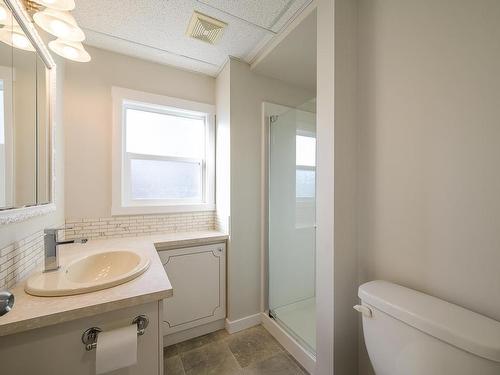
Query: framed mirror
27	94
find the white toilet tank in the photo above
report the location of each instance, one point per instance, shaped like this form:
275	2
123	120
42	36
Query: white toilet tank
411	333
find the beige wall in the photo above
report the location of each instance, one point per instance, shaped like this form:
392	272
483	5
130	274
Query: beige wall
248	92
429	78
325	188
87	116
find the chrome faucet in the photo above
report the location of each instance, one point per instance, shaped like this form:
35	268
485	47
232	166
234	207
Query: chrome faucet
51	244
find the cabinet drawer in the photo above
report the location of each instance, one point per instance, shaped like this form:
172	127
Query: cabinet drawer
198	278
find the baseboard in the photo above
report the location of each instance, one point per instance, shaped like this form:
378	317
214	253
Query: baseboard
233	326
306	359
190	333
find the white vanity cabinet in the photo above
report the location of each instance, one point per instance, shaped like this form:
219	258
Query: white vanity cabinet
198	278
58	349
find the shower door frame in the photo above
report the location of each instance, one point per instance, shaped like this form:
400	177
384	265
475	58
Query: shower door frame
291	344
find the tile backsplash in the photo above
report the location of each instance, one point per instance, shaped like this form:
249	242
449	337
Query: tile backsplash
139	225
18	259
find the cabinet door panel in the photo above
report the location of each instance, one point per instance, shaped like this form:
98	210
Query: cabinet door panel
197	275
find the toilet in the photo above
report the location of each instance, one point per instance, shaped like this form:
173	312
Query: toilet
411	333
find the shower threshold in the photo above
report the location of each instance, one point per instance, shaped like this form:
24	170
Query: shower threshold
299	320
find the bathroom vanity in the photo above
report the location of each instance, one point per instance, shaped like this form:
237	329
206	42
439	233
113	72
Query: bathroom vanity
42	326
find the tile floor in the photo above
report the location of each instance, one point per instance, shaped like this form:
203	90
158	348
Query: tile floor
250	352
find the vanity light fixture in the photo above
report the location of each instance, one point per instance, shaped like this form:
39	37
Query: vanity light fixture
52	16
70	50
57	4
14	36
60	24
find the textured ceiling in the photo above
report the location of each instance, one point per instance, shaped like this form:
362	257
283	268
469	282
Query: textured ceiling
155	29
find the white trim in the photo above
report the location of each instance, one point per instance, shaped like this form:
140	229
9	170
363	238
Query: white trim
325	185
233	326
306	359
141	210
264	208
161	100
159	103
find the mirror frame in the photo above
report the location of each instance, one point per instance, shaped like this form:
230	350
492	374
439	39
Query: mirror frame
17	214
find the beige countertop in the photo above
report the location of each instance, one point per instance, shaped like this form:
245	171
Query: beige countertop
30	312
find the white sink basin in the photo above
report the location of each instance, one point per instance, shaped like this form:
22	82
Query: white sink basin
94	272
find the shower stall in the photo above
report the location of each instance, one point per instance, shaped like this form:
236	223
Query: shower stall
291	233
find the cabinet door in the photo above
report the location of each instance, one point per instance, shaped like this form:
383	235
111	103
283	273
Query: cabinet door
198	277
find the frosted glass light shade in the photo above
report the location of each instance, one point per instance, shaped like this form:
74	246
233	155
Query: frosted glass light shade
70	50
5	17
60	24
57	4
15	37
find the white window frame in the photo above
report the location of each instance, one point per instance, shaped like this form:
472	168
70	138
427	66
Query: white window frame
122	204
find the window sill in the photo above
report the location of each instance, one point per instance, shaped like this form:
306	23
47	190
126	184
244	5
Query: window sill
147	210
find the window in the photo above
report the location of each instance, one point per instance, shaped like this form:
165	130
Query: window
305	167
164	150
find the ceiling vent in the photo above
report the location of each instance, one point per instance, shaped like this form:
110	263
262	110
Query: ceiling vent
205	28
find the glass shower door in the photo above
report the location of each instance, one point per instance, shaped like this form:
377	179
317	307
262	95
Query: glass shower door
292	200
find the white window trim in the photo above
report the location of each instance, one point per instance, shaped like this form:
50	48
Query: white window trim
121	95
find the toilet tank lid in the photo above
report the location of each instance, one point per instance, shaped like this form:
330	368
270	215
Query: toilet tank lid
450	323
